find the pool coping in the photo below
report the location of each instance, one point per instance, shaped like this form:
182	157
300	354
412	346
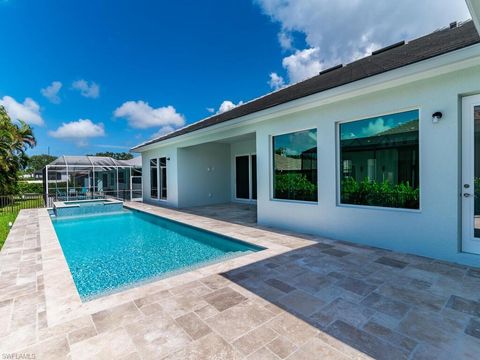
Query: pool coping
63	303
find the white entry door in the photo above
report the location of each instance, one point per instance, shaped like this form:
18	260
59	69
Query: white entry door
471	174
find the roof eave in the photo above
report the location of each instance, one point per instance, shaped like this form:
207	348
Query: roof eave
437	65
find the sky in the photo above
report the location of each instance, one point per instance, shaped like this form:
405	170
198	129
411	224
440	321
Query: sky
92	76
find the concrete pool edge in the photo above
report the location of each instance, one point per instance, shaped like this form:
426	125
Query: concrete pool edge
63	302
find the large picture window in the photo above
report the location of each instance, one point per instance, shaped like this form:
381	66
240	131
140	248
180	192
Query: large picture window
379	161
295	166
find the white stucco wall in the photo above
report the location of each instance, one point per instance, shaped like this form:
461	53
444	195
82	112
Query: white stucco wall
204	174
434	230
172	188
431	231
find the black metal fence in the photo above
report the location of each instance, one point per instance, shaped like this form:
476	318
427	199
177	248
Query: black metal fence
15	203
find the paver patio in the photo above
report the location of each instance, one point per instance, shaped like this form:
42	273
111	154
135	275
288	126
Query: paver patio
305	297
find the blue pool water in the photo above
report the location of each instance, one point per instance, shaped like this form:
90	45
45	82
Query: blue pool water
110	252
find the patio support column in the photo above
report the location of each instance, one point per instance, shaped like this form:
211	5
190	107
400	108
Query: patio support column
117	182
46	185
130	173
68	178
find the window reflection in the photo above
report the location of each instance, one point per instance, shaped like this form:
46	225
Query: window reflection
379	161
295	166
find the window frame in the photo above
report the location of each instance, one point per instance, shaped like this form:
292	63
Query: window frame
150	174
250	183
160	179
338	166
159	168
272	170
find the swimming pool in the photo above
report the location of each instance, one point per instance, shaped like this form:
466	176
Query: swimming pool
109	253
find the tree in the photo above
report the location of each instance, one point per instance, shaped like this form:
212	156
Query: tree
38	162
15	139
116	156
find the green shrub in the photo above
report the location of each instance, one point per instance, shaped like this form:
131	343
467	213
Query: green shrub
29	188
379	194
294	186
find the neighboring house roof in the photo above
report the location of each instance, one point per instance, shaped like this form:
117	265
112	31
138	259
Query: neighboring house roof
403	135
392	57
287	163
409	126
136	161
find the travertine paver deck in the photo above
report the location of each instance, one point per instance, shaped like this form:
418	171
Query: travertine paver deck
302	298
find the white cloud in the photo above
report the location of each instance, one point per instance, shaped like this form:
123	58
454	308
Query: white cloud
210	110
345	30
375	127
276	81
108	146
87	89
227	105
79	131
140	115
164	130
51	92
302	64
28	111
286	40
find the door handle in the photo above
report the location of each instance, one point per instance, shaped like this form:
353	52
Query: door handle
467	195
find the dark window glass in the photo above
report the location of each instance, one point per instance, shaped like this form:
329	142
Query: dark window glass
379	161
105	181
163	177
254	177
153	179
242	177
295	166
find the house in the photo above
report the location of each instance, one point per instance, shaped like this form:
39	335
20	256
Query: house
384	151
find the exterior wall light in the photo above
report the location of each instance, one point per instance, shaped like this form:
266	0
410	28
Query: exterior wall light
436	116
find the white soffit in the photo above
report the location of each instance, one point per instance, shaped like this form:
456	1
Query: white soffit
474	8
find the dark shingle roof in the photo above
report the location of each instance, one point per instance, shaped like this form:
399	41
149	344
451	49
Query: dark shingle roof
437	43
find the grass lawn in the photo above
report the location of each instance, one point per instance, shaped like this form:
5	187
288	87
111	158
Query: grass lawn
9	212
5	218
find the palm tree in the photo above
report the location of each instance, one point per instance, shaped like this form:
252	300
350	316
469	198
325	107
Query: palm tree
15	139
